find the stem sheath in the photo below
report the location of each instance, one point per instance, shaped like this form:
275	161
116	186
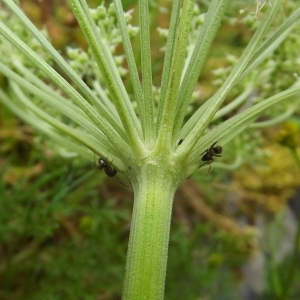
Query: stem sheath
149	237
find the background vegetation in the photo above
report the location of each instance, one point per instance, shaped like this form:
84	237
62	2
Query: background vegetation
64	226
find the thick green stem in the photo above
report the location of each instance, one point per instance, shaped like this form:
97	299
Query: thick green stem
149	237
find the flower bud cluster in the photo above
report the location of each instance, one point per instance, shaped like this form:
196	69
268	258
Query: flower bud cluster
106	21
10	54
275	74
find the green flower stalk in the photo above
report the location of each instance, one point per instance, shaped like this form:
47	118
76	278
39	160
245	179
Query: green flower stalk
152	145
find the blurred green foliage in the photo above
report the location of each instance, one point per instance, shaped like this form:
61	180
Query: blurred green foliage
46	252
64	230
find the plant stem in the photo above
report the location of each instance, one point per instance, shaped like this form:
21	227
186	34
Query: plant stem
149	237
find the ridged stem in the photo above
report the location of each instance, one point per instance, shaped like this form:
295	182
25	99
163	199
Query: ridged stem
149	237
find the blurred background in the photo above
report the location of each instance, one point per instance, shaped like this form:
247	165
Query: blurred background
64	226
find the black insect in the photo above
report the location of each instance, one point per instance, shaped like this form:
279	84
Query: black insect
179	143
88	79
208	155
108	169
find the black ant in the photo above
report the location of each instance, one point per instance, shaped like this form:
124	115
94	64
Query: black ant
108	169
209	153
